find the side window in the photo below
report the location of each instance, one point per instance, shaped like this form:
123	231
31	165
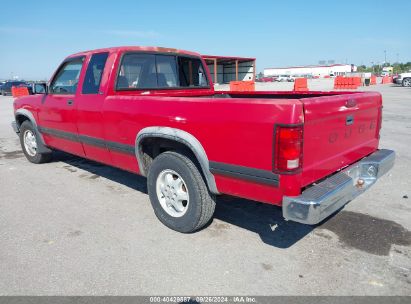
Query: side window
66	80
154	71
137	71
166	71
94	73
191	72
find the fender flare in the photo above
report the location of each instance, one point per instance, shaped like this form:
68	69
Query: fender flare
182	137
42	148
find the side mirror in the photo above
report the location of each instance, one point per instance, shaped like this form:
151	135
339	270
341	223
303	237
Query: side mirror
40	88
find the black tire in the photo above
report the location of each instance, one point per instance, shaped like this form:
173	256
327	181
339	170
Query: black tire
201	206
406	82
37	158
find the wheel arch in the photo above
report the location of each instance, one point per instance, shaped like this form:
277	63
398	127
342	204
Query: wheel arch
21	116
181	138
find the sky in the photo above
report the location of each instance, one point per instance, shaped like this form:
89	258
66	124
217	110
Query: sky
35	36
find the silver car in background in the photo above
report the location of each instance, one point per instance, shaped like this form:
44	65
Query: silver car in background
404	79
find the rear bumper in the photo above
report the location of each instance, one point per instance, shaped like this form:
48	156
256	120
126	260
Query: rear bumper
323	199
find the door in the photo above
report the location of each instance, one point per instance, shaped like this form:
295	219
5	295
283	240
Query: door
90	100
57	114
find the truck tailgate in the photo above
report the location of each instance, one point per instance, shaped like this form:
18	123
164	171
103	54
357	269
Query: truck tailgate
338	130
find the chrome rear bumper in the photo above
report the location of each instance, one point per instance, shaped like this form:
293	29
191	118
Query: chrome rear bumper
323	199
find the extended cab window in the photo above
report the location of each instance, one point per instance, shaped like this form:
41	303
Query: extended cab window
166	71
156	71
94	73
66	80
137	71
191	72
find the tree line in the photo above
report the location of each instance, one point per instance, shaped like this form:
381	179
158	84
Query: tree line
377	69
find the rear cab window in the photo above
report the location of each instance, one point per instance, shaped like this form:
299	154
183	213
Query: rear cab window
140	71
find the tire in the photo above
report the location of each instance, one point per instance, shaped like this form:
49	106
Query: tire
406	82
28	133
166	199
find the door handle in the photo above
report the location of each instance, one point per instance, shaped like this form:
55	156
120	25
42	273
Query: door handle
349	120
70	101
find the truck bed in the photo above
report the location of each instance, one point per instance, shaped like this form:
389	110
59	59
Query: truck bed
339	127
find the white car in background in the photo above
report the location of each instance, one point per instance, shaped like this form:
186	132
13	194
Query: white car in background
404	79
284	78
291	78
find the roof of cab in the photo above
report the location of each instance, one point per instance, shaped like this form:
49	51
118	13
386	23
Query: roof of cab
137	49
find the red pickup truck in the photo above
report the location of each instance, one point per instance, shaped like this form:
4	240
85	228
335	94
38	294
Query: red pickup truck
153	111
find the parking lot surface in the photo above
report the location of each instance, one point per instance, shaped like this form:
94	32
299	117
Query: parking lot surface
75	227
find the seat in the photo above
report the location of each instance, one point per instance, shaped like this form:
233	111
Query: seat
162	81
122	82
149	82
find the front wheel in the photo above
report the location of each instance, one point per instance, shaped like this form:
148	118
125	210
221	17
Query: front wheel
29	144
406	82
178	193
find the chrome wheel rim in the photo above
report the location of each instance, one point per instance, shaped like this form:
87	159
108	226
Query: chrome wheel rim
172	193
407	83
30	143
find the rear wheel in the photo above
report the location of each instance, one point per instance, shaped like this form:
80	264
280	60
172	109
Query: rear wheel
29	144
406	82
178	193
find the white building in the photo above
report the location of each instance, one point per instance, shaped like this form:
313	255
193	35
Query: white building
313	70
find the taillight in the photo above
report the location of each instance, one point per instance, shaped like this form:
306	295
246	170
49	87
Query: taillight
288	148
